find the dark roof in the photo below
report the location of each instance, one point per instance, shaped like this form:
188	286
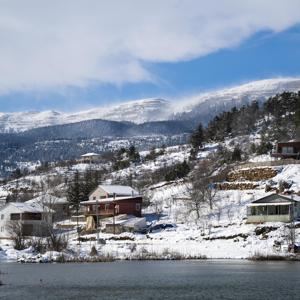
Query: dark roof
275	198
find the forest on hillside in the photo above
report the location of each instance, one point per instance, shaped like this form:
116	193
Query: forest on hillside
276	119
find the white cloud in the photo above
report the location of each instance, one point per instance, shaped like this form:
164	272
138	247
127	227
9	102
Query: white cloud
59	43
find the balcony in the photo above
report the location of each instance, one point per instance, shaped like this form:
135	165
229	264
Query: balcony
103	213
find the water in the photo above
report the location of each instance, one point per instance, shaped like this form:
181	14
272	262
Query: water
152	280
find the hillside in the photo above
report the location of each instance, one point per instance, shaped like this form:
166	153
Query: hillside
195	205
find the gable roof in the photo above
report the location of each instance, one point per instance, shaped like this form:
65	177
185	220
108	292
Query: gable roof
90	154
22	207
276	198
122	190
47	199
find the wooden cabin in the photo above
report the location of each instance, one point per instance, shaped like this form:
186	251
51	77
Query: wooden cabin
274	208
287	150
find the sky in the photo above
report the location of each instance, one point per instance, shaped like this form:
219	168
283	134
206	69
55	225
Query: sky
72	55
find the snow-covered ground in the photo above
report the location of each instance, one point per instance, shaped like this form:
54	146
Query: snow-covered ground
220	232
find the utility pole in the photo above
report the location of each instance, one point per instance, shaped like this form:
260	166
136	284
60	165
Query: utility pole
292	225
77	221
97	217
114	206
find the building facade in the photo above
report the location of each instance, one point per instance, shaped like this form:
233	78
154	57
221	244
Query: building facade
287	150
273	208
33	219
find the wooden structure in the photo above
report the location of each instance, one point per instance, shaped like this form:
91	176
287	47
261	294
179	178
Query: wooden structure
287	150
274	208
109	207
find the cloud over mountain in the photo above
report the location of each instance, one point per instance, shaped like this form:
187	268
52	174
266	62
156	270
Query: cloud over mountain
47	44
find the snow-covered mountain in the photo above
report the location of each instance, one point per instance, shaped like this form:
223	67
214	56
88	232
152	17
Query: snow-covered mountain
201	107
140	111
205	106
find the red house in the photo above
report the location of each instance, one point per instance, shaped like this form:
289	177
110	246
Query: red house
108	207
112	200
287	150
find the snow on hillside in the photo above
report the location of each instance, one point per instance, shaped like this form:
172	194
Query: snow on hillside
219	233
255	90
203	106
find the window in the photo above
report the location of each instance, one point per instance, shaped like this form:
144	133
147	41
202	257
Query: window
14	217
32	216
2	217
284	209
287	150
94	197
138	206
2	229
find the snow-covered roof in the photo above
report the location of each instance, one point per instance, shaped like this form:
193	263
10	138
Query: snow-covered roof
109	199
119	190
47	199
275	199
23	207
89	154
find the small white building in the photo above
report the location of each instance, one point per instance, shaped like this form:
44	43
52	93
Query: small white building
130	224
274	208
89	157
33	218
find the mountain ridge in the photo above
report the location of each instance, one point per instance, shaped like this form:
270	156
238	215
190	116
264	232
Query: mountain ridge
201	107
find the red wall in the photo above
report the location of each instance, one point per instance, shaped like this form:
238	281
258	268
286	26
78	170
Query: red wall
126	206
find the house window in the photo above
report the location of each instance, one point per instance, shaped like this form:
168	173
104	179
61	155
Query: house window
287	150
94	198
14	217
284	209
2	217
138	206
2	228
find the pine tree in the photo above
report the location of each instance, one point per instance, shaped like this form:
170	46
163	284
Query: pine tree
74	193
197	137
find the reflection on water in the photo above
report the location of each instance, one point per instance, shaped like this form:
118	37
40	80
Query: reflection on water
152	280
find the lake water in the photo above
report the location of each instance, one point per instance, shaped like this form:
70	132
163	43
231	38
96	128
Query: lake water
152	280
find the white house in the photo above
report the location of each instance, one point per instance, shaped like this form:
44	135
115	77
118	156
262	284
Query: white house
89	157
34	218
274	208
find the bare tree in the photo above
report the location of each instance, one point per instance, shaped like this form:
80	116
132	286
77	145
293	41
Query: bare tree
16	232
201	188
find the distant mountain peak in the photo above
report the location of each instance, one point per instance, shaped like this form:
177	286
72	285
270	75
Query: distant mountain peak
201	107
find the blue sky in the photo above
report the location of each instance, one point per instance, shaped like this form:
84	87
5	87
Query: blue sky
271	50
